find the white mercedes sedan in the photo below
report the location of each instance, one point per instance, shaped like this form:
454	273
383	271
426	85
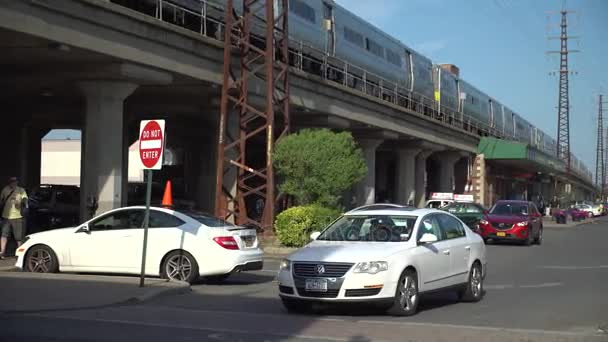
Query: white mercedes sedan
388	255
181	246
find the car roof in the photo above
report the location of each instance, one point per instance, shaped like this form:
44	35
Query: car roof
513	201
404	211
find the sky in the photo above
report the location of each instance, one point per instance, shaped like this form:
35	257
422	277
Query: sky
500	47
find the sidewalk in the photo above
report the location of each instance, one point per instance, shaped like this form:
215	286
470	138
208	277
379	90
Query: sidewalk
35	292
549	223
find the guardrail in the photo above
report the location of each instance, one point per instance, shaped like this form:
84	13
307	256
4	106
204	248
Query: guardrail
309	59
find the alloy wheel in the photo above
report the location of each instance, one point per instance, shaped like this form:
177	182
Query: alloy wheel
39	261
408	293
179	267
476	282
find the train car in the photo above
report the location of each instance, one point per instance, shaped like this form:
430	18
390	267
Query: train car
497	116
447	87
475	104
523	129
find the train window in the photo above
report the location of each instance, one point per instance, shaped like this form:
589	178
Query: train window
393	57
353	37
302	10
374	48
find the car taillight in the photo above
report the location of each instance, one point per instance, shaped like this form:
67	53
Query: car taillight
227	242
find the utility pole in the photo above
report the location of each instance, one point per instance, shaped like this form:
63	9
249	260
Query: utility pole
563	107
600	165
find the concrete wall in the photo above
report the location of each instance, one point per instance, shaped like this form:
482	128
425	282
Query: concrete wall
60	162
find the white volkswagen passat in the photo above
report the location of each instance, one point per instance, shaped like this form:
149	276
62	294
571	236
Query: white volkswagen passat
181	246
390	256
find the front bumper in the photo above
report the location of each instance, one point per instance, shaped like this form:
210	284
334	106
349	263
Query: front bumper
352	287
514	234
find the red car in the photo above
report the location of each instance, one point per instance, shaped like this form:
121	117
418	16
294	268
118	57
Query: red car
514	221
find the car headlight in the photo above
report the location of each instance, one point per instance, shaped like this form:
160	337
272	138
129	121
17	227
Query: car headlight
25	239
483	222
371	267
285	265
522	224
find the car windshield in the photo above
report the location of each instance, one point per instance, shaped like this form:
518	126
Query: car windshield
510	209
208	220
380	228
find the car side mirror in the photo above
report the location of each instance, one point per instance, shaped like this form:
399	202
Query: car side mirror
427	238
83	229
315	235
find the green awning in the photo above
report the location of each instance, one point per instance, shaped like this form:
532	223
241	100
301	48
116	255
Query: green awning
520	154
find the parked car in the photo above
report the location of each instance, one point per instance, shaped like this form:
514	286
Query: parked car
385	256
514	221
181	246
591	210
469	213
436	204
53	206
577	215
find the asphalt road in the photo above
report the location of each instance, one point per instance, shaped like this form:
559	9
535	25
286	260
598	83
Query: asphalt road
554	292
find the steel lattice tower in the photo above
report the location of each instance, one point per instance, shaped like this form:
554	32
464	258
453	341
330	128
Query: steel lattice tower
600	165
256	56
563	111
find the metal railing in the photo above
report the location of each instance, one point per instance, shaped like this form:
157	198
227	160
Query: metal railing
309	59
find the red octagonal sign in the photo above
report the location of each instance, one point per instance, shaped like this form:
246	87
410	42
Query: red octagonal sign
151	143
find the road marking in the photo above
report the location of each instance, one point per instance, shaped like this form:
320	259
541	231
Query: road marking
543	285
316	318
190	327
575	267
498	287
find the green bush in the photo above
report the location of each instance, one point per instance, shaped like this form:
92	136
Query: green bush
294	225
318	165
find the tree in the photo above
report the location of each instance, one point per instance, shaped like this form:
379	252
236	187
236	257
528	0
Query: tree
316	166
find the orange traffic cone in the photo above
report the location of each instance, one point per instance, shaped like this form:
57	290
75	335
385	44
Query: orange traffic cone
168	196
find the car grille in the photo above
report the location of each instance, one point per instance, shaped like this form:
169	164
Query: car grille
331	293
502	226
362	292
286	289
329	270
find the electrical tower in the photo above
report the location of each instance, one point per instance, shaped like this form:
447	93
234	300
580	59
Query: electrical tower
256	47
563	107
600	165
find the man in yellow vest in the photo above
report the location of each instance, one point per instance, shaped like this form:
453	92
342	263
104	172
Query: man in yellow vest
13	199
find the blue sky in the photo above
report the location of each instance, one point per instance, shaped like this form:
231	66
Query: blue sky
499	46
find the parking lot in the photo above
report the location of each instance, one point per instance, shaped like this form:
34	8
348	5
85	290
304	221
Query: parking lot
556	291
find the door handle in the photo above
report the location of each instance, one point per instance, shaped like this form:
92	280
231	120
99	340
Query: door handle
446	252
468	248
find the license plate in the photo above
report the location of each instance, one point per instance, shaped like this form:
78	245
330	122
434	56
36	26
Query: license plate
501	234
316	285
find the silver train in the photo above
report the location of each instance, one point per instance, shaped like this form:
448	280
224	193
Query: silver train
331	32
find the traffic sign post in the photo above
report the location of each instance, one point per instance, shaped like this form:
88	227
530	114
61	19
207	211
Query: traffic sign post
151	148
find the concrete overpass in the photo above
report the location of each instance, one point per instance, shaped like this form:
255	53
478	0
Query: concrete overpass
102	67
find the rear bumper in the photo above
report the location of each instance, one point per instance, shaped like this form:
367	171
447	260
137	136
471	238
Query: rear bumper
248	266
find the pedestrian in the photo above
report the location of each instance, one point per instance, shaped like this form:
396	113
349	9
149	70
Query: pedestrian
13	201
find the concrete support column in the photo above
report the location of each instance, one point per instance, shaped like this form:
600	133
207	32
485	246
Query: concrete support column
366	189
406	175
447	162
420	178
103	143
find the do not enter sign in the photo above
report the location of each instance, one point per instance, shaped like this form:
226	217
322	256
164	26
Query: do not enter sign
151	143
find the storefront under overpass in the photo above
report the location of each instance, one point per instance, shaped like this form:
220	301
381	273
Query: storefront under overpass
512	170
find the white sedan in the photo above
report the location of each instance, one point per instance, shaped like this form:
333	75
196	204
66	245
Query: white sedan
181	246
389	256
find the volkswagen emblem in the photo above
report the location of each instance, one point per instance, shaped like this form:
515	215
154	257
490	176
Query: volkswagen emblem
320	269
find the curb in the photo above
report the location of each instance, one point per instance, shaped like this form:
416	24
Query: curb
278	251
8	269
